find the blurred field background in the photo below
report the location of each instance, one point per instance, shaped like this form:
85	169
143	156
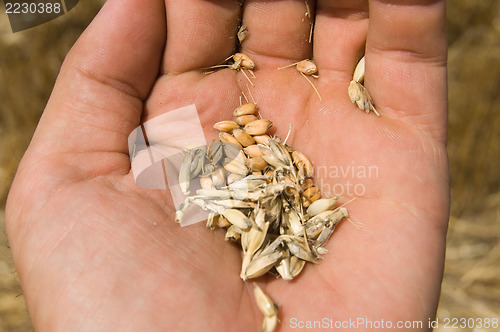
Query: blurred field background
30	60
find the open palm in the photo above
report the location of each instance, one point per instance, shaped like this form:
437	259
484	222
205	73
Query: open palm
95	252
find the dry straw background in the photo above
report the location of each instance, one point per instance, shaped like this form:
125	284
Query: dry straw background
30	60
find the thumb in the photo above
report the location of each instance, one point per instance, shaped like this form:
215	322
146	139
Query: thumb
98	97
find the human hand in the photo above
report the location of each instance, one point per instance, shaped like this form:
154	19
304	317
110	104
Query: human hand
82	233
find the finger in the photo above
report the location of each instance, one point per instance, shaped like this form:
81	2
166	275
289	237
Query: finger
199	33
339	37
406	61
277	30
97	100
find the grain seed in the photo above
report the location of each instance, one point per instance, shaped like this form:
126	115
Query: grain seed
244	119
256	163
243	137
218	177
307	67
212	220
261	265
244	61
223	222
359	72
269	203
245	109
237	218
262	139
264	302
233	233
321	205
283	267
253	151
298	248
228	138
296	265
242	33
226	126
358	94
361	97
258	127
236	165
303	164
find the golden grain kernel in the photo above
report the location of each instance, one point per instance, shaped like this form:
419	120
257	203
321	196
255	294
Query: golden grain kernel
226	125
315	197
223	222
243	137
308	183
235	166
245	109
256	163
253	151
244	60
226	137
307	67
258	127
310	192
218	177
244	119
262	139
302	163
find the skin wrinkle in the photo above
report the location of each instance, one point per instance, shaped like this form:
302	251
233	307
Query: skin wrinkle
121	85
410	57
350	13
81	122
426	121
89	97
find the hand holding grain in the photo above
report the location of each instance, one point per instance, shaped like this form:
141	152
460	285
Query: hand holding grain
81	231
